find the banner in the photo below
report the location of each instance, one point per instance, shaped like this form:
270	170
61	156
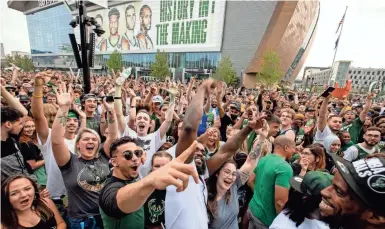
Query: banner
169	25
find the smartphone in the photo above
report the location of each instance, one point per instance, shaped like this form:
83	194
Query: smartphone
327	92
109	99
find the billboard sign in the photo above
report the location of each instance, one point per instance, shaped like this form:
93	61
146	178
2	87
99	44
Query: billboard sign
172	26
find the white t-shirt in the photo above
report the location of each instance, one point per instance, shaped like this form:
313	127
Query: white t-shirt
351	153
71	144
282	221
55	183
320	136
187	209
150	144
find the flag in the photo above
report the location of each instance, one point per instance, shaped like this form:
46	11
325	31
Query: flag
341	22
338	39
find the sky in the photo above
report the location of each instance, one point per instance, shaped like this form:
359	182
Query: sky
362	39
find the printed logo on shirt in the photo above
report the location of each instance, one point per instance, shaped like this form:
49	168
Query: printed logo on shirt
92	178
144	144
155	210
377	183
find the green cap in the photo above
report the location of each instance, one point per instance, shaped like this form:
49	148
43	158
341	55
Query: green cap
72	114
312	183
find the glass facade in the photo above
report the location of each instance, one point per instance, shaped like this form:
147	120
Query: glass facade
48	30
204	60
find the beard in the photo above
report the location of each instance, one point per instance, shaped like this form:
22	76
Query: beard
346	221
201	169
370	144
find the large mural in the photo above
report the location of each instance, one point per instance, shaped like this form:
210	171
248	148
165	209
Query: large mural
169	25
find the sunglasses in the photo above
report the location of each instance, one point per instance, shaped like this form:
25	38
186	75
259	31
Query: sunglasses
11	90
128	154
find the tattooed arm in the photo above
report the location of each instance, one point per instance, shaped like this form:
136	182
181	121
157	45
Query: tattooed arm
59	148
112	127
252	160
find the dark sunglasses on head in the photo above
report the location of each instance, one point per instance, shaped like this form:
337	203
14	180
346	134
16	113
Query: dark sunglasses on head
128	154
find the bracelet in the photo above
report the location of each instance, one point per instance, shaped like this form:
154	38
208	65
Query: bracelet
37	96
117	97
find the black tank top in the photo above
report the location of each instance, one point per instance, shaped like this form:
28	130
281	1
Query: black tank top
49	224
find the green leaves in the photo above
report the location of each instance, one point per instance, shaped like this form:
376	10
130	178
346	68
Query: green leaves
116	61
23	62
159	68
270	72
225	71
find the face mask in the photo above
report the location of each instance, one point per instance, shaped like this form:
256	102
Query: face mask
233	117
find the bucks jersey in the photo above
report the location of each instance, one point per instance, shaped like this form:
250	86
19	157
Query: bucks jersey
134	43
117	45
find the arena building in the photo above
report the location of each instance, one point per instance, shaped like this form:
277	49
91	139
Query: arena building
194	33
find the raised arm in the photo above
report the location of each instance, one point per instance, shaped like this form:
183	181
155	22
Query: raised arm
323	112
221	110
13	102
112	127
15	75
188	94
59	148
232	145
147	101
41	123
118	108
192	119
366	108
252	159
166	124
207	105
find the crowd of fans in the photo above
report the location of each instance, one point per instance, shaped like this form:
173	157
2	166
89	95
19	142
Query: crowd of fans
198	154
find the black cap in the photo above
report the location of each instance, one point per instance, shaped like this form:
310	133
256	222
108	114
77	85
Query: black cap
23	98
309	109
366	177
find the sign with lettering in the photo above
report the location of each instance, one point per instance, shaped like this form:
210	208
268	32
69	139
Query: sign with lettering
46	2
169	25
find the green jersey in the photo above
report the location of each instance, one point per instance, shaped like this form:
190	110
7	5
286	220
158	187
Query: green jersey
112	216
299	136
271	170
354	129
157	121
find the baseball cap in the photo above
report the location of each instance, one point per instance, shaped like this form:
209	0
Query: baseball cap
377	119
157	99
9	86
236	105
89	96
23	98
312	183
309	109
366	177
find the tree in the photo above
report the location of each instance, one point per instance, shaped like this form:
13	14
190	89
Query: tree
226	72
270	73
23	62
115	62
159	68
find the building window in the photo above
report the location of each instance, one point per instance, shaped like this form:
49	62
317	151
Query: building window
350	71
378	73
368	73
372	73
354	72
359	72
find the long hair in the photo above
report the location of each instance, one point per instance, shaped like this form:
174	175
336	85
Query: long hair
319	154
219	136
80	135
9	216
212	203
24	138
298	207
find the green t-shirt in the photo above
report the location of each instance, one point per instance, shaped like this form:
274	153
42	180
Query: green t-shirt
354	129
271	170
112	216
299	136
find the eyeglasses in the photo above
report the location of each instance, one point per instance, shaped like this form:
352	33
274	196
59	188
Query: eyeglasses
128	154
228	173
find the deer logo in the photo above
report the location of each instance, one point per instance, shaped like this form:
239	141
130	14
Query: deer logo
155	210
